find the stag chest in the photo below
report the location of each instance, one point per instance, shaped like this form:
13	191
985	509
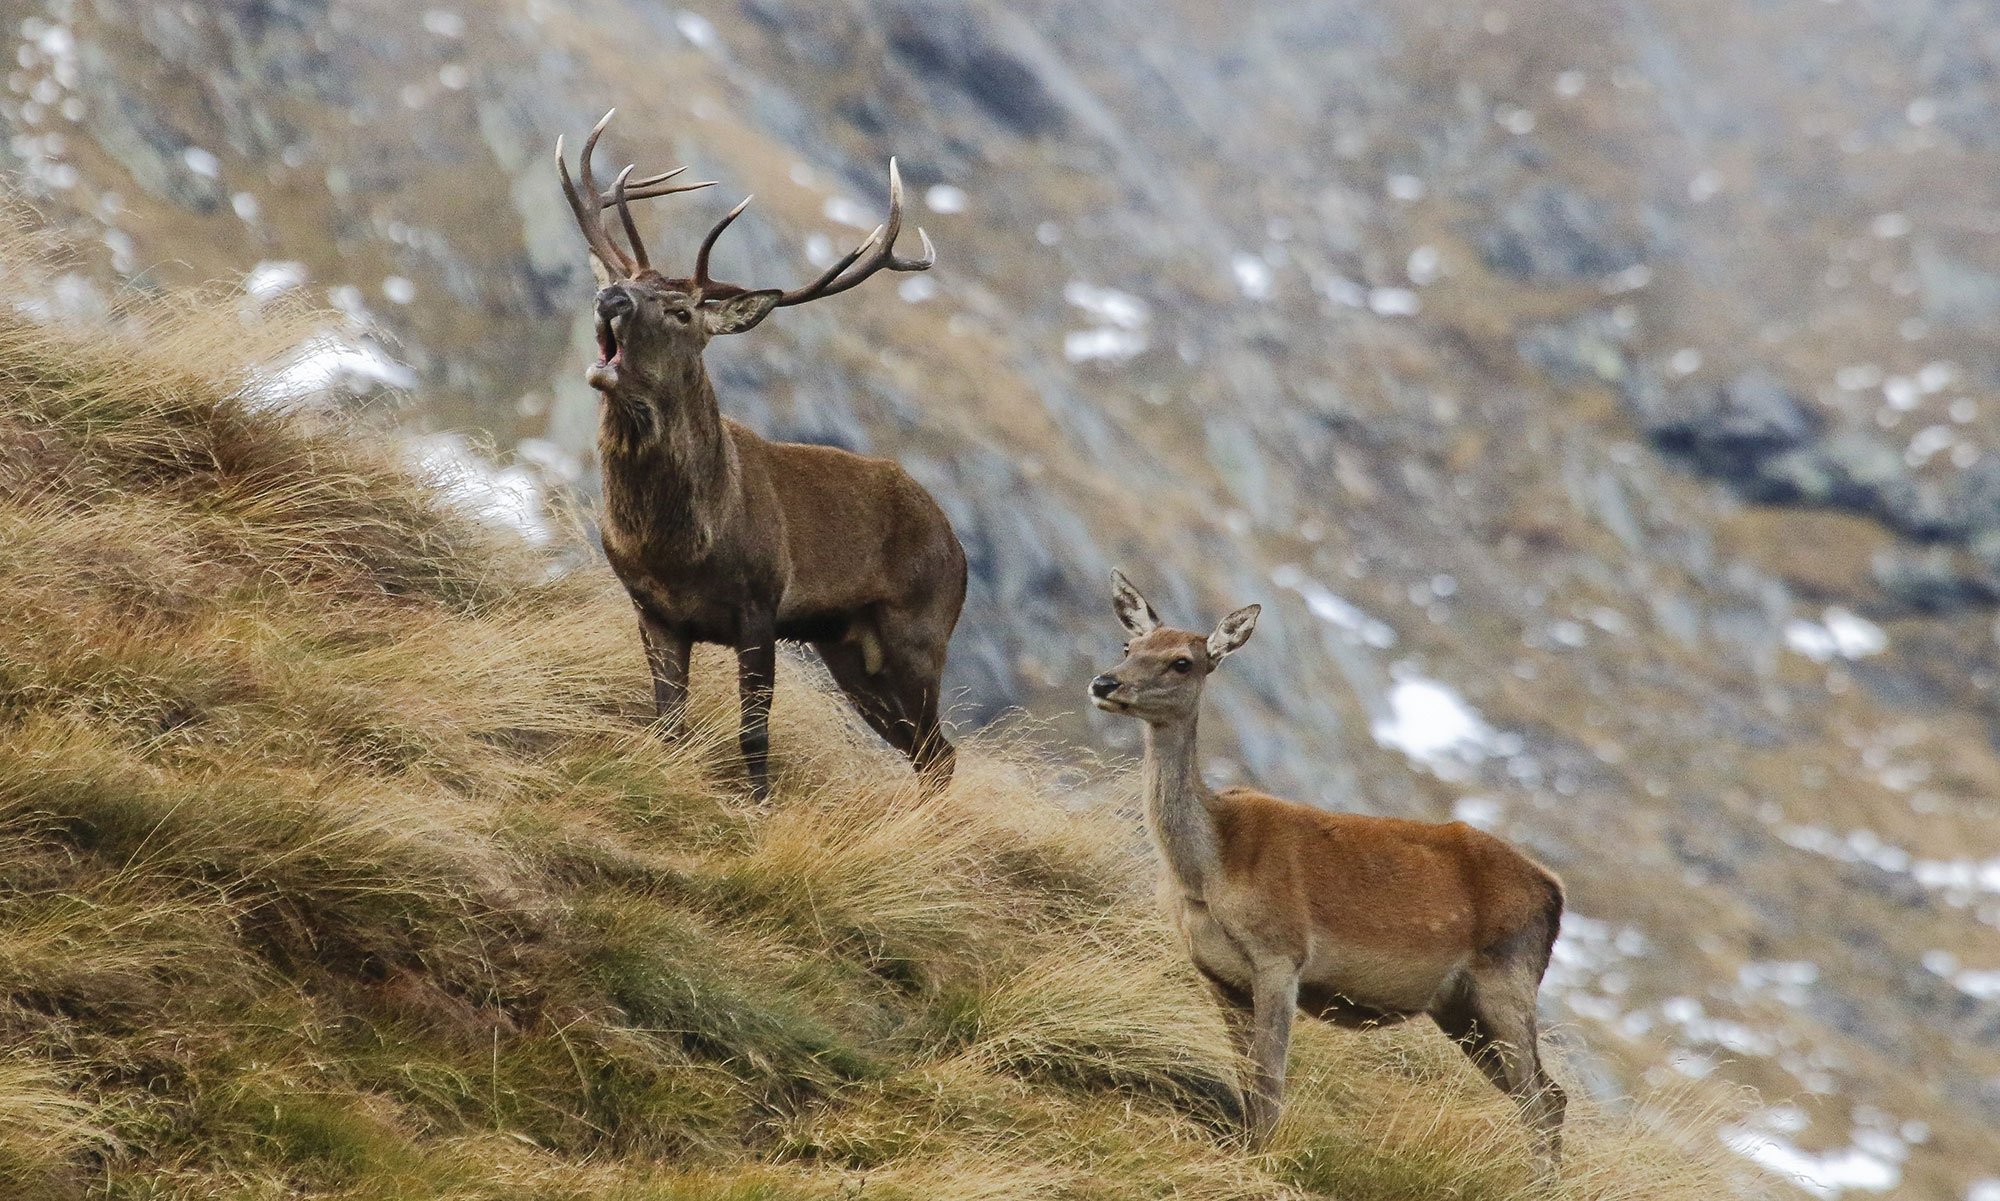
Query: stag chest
698	595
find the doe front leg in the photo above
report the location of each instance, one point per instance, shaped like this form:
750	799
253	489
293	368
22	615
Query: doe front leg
1274	997
756	677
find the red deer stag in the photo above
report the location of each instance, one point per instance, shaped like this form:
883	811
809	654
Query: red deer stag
721	536
1358	920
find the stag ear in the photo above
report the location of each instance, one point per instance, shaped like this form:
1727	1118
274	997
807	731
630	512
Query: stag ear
1133	611
1232	632
740	312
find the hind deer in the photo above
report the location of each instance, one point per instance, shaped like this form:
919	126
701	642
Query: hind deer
1360	921
721	536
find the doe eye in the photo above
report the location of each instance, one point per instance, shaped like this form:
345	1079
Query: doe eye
1182	665
681	315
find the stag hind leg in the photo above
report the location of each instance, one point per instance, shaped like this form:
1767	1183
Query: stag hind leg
897	702
934	757
914	637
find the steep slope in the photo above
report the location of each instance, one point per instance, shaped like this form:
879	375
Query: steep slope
1599	397
336	859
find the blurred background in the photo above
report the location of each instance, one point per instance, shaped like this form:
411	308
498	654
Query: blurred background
1603	400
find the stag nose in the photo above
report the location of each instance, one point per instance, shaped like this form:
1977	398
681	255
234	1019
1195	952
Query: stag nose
1103	686
613	301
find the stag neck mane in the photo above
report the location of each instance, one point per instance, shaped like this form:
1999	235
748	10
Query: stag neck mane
1177	813
670	468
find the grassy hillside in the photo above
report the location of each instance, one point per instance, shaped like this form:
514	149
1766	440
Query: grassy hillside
336	860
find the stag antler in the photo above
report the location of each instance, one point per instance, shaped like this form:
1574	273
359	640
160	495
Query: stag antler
622	192
876	252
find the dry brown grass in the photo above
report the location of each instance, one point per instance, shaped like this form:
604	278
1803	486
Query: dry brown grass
336	859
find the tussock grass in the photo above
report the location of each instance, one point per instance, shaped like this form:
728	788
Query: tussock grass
337	858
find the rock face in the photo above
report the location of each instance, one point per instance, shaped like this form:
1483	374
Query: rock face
1600	398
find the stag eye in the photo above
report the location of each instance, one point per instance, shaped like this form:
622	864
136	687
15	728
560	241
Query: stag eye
1182	665
681	315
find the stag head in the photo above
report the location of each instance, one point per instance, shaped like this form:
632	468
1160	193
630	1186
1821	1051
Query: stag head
646	318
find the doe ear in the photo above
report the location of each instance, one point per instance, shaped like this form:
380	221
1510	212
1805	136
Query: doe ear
1232	632
1133	611
740	312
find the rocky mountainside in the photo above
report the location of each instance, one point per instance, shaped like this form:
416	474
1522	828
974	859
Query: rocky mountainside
1603	400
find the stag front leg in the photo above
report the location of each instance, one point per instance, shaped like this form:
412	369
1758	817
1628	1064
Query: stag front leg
756	678
667	652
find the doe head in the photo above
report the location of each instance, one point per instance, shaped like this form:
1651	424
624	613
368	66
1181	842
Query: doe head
647	320
1160	678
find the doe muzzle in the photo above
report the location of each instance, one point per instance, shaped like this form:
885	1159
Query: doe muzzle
1103	686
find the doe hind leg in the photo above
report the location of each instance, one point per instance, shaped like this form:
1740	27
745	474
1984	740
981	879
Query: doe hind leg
1492	1019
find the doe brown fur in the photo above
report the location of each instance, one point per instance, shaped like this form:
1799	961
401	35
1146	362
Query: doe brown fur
1356	920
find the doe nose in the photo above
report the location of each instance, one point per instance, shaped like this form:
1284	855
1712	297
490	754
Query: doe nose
613	301
1104	686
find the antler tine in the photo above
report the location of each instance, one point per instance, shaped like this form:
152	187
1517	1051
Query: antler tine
649	187
589	183
625	216
701	280
588	221
876	252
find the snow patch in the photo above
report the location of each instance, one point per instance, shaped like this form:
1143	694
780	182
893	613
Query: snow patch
1108	305
1121	318
1433	725
698	30
201	162
1788	981
945	199
1871	1163
1253	275
1982	985
851	213
508	497
1480	811
1393	302
1424	266
1330	608
322	365
1404	187
1840	633
1102	345
272	278
444	23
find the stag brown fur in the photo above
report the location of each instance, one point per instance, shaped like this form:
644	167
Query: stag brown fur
1357	920
722	536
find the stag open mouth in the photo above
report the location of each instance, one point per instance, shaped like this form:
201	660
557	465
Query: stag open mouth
604	374
608	350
